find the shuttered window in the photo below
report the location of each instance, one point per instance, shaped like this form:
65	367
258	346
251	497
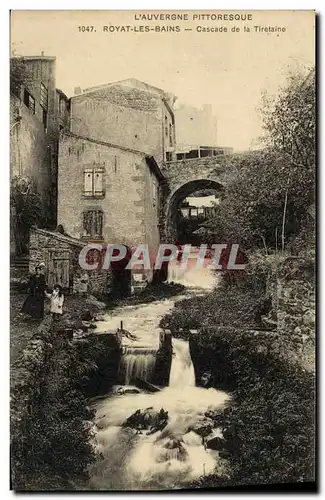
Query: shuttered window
44	97
93	182
93	224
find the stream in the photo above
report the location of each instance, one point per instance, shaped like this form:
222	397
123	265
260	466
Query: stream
172	457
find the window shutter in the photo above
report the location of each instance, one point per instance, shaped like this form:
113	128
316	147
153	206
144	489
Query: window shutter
98	181
88	182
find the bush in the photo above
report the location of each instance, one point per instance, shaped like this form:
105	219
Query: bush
52	438
269	427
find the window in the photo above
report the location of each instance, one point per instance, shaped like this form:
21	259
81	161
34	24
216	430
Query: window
93	182
45	119
166	126
62	107
93	224
170	134
169	156
44	97
29	101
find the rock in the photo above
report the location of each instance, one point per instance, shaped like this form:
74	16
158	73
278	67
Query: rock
86	316
99	317
92	326
215	443
147	419
91	300
203	429
206	379
132	390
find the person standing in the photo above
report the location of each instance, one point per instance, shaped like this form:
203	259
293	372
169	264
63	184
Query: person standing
57	299
34	303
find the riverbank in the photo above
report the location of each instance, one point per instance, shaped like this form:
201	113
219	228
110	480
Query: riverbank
256	339
52	378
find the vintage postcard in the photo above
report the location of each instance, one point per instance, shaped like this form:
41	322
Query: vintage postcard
162	250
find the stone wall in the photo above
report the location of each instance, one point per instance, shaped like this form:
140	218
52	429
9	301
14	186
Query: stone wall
29	155
124	115
97	282
296	320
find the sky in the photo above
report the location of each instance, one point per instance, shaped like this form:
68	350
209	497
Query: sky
228	70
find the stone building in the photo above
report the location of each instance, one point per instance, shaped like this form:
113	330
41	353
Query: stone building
108	193
195	126
37	113
129	113
60	254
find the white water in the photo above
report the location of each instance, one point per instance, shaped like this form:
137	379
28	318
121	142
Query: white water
170	458
135	364
182	369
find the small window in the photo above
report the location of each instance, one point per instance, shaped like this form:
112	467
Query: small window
170	134
93	182
29	101
44	97
93	224
62	107
169	156
45	119
166	126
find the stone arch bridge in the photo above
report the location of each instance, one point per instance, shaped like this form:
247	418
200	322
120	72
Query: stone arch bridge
184	177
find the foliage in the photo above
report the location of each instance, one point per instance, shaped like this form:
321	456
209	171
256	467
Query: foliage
28	209
269	432
19	75
269	426
51	422
252	209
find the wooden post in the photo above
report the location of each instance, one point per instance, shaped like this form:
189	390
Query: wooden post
284	218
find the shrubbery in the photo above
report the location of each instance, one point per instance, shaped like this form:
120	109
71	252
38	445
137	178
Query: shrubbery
269	427
51	430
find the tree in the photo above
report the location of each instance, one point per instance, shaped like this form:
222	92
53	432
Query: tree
19	75
26	202
273	188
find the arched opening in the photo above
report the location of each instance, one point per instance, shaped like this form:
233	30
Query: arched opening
189	207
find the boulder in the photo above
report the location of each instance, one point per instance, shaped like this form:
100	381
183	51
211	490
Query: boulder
147	419
86	316
202	428
127	390
91	300
215	443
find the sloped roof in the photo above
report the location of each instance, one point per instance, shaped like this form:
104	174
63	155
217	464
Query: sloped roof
129	93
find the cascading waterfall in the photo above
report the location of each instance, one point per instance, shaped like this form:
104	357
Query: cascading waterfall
182	369
137	363
166	457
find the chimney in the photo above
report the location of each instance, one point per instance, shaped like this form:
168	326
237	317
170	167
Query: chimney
77	90
42	53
